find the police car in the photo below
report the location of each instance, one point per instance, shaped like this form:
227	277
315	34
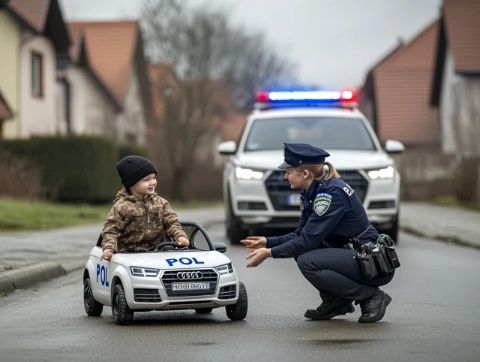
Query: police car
200	277
257	197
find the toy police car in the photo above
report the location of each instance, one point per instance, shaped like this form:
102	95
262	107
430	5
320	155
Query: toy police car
199	277
256	195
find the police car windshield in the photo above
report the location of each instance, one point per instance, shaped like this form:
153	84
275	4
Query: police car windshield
325	132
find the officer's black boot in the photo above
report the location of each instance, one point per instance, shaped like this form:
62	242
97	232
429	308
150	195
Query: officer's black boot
331	306
373	309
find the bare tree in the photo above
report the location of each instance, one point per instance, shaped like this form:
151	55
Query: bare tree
204	50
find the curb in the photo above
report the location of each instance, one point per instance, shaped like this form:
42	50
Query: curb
444	238
27	276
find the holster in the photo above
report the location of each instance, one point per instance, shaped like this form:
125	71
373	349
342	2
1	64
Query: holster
379	258
367	265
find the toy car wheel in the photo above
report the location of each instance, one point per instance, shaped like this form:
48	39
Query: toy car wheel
203	310
238	311
92	307
122	314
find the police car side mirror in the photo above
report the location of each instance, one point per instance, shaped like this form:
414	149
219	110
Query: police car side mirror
227	148
220	247
393	146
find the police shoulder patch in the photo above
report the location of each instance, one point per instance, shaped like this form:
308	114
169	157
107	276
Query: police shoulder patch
322	203
348	190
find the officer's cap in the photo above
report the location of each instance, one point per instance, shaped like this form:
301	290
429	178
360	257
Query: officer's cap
296	154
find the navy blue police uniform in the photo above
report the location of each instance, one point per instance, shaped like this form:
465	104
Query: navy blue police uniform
332	215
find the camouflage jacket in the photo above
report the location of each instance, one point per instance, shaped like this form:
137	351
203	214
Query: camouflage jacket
135	224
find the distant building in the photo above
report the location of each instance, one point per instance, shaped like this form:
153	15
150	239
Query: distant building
89	106
115	54
34	41
396	98
456	90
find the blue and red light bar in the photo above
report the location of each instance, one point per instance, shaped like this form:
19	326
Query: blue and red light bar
323	98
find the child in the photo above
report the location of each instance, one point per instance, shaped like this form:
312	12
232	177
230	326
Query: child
139	217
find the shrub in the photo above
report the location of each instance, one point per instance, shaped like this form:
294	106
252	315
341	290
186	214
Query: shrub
19	179
73	168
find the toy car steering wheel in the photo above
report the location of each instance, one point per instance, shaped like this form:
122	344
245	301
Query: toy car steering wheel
169	245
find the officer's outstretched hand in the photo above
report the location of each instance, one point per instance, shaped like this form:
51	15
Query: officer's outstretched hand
257	257
183	241
254	242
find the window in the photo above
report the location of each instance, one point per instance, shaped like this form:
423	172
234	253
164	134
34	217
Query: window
37	75
325	132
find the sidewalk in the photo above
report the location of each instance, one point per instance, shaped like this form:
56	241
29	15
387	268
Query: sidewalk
456	225
30	257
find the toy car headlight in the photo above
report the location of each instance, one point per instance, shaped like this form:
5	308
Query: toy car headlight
248	174
144	272
224	269
382	173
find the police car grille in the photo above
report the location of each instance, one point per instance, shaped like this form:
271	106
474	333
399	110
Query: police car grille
279	190
356	181
146	295
208	275
227	292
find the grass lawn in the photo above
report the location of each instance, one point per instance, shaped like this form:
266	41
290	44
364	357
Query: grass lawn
26	215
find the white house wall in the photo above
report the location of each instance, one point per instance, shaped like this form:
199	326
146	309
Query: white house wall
131	123
37	115
91	112
447	105
460	112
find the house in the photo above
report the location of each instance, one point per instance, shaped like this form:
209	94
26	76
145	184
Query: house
86	106
456	90
115	54
399	89
34	41
396	98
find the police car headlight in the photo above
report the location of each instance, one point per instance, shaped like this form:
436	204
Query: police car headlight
382	173
144	272
248	174
224	269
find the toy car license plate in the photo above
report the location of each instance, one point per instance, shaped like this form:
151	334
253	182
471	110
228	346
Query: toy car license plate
191	286
293	199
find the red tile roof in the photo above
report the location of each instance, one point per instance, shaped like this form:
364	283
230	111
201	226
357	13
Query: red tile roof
111	49
34	12
402	85
462	25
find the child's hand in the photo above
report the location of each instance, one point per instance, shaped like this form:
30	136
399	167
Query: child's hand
183	241
107	254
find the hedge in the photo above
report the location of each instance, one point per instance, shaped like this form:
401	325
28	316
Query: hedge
73	168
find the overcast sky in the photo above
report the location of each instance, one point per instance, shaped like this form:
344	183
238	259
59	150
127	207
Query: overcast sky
332	42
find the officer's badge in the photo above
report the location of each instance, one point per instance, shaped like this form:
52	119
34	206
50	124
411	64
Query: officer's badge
322	203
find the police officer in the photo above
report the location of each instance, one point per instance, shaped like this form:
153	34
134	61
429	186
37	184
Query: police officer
332	216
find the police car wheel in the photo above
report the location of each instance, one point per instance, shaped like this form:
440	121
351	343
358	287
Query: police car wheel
238	311
122	314
92	307
392	231
235	232
203	310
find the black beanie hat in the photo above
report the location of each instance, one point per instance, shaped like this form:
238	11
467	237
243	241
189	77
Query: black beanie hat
132	169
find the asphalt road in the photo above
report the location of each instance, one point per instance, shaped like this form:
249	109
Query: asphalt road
434	316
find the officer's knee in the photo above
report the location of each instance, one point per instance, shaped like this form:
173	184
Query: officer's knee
303	263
